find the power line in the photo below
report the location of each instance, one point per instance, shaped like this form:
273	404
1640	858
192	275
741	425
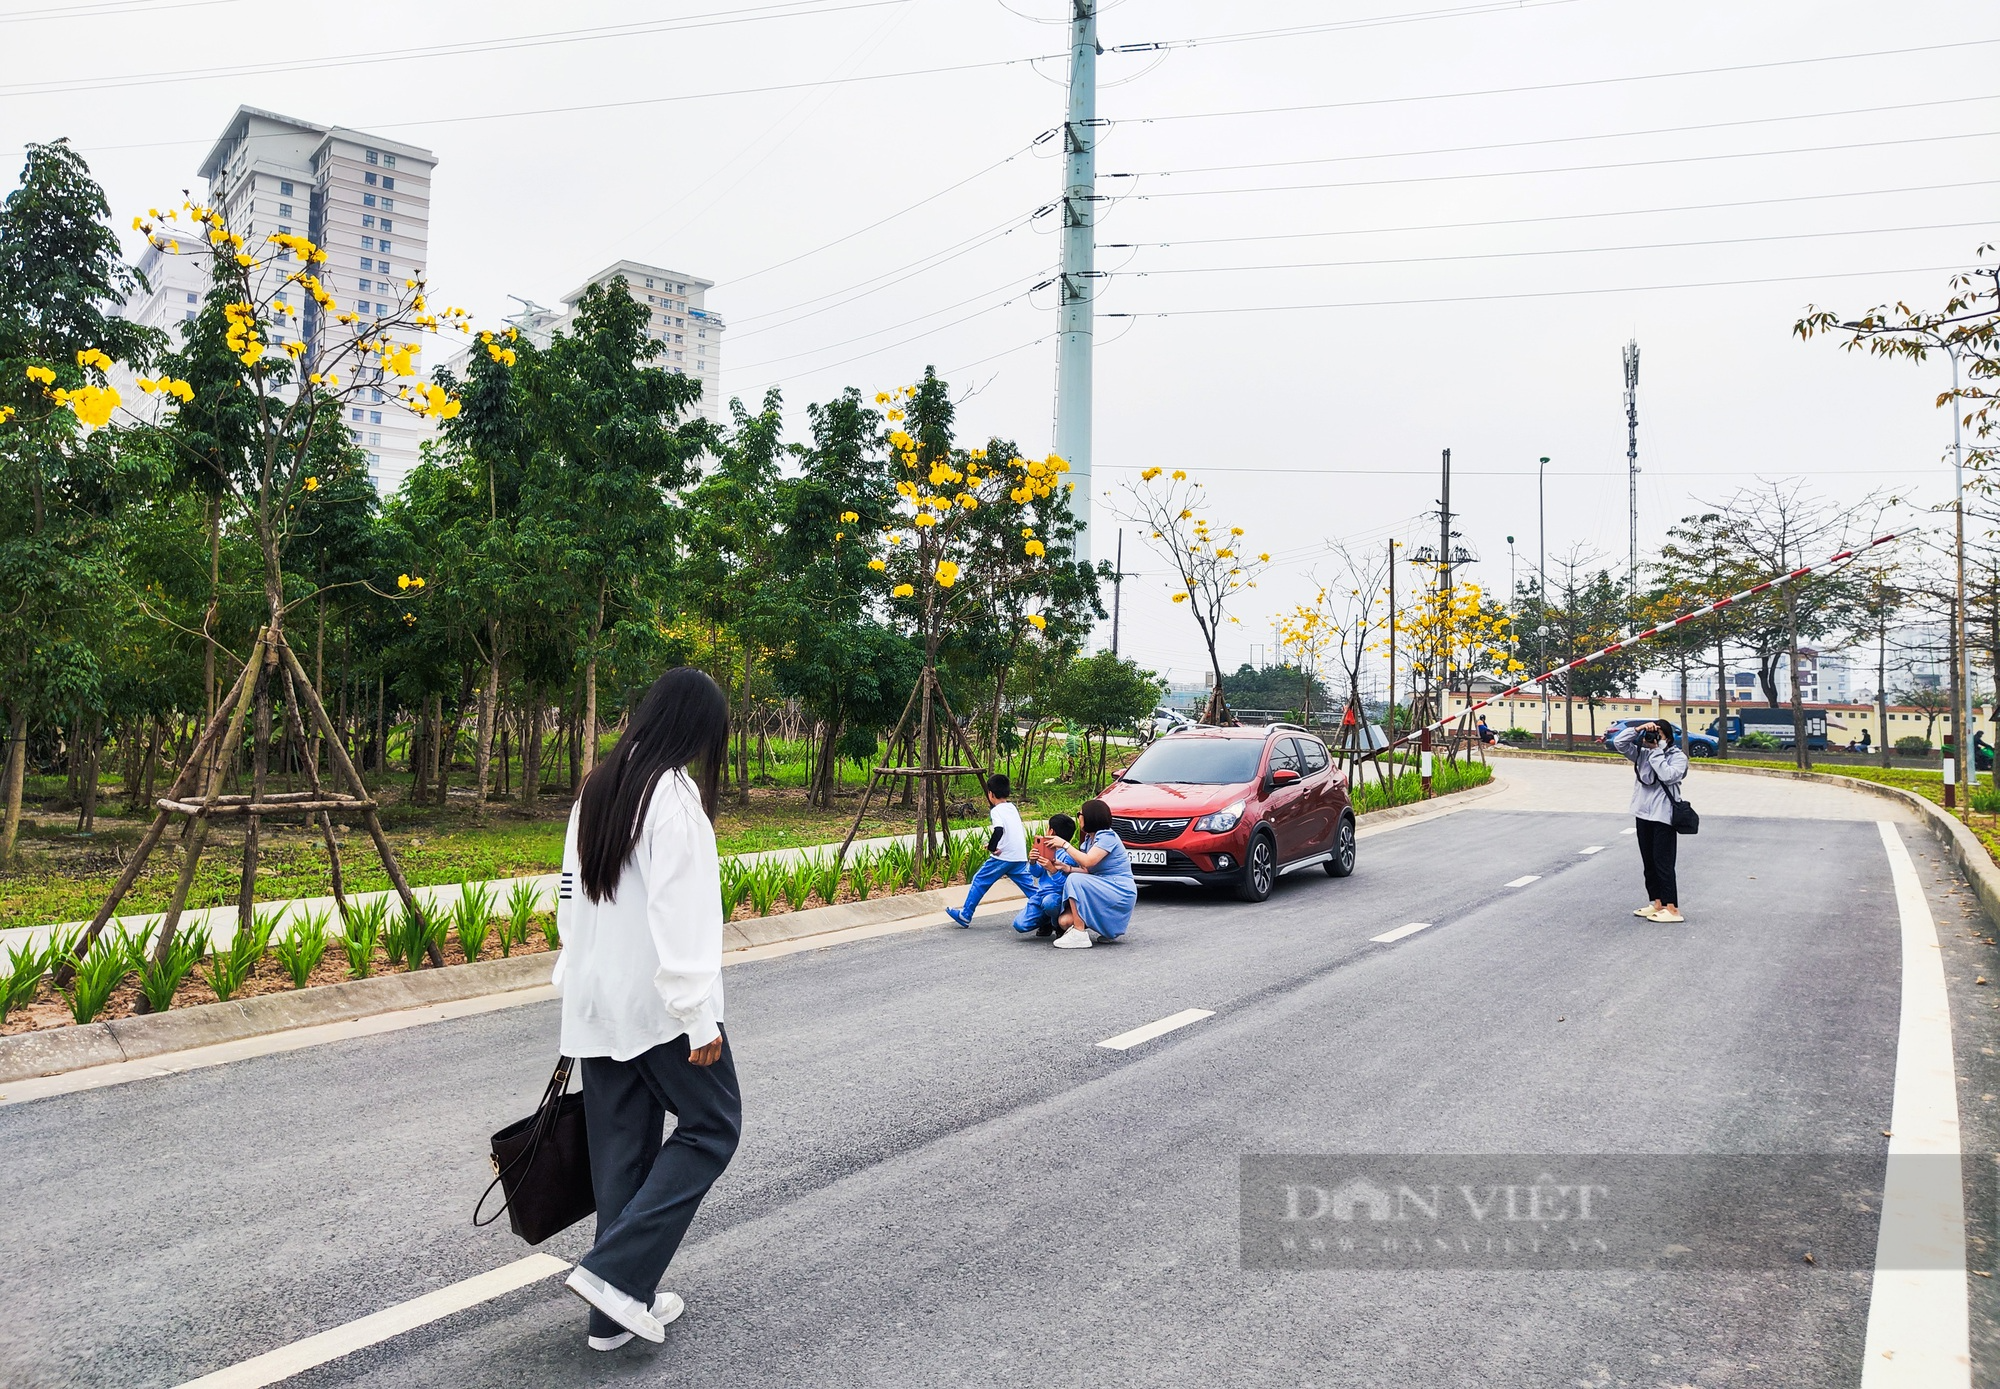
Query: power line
1564	139
1534	294
1566	251
1554	217
1565	169
111	7
714	19
1558	86
877	332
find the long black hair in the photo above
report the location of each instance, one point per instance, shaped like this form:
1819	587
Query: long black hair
683	722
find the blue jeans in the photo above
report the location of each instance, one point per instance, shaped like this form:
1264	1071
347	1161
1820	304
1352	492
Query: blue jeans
991	872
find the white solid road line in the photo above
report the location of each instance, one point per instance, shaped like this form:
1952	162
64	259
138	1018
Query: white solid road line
1125	1041
1591	849
1918	1324
301	1356
1410	930
1633	830
1524	880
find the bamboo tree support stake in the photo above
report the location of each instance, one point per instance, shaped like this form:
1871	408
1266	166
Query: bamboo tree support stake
198	824
184	784
295	732
345	767
260	767
869	794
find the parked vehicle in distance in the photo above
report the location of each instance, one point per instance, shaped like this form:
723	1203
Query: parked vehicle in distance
1236	807
1698	744
1163	721
1778	723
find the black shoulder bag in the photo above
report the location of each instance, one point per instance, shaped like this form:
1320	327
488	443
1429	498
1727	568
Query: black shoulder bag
1685	821
542	1165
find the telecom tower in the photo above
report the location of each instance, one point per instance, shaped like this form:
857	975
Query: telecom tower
1632	461
1079	255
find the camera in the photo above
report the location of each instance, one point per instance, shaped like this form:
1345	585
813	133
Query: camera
1650	738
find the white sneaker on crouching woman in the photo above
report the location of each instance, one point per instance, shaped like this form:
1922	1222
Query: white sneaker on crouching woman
667	1308
1075	938
630	1313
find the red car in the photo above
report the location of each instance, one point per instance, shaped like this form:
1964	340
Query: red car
1239	807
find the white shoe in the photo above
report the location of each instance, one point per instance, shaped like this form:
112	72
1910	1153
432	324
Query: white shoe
627	1311
667	1308
1645	911
1075	938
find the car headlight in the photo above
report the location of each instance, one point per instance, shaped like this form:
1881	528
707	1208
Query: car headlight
1221	821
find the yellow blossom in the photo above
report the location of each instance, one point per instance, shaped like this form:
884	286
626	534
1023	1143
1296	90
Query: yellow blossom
91	357
402	581
902	591
1180	598
877	565
42	374
1038	622
926	519
1035	548
6	413
850	517
1149	474
947	573
1179	476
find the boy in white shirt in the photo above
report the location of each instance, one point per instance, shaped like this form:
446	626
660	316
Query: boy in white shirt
1008	850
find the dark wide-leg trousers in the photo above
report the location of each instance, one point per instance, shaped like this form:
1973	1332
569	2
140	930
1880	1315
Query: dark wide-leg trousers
1658	845
647	1192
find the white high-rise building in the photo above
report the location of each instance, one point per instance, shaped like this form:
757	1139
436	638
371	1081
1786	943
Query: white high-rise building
366	200
690	336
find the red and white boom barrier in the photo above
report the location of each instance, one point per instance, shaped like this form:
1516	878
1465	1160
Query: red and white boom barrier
1632	640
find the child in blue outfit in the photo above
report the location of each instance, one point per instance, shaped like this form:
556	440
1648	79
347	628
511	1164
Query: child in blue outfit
1007	850
1045	903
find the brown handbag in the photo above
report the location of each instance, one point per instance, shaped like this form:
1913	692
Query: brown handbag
542	1165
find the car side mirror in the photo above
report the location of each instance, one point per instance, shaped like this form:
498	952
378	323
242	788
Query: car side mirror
1284	776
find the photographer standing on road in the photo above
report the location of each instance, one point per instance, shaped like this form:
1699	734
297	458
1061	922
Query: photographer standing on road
1659	766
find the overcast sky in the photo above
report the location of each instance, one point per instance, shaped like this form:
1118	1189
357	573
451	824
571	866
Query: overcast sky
1486	197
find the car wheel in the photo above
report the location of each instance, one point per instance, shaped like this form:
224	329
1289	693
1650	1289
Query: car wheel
1342	862
1260	869
1699	750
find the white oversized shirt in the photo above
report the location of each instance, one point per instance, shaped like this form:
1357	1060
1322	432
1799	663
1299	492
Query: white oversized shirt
644	966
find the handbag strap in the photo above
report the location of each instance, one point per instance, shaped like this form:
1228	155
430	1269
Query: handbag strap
545	1121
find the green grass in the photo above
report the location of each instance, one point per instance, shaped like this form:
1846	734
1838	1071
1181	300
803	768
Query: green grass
1407	787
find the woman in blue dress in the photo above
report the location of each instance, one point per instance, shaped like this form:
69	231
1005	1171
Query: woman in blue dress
1098	893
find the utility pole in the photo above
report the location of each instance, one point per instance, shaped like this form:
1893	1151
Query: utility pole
1075	291
1444	589
1542	586
1632	460
1390	717
1117	586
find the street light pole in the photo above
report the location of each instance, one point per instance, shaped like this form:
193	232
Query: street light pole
1968	771
1542	589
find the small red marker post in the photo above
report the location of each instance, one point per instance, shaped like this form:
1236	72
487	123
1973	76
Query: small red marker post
1424	760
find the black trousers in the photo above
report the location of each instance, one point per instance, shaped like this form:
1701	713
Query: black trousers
647	1192
1657	846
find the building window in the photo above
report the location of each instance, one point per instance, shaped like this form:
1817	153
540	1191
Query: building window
388	204
649	285
369	178
368	200
375	440
372	157
367	264
367	219
375	394
355	434
358	416
374	417
388	182
388	161
387	225
284	209
192	299
188	315
385	242
364	285
367	243
383	265
284	188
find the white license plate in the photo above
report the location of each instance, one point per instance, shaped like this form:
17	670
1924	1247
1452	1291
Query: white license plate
1153	858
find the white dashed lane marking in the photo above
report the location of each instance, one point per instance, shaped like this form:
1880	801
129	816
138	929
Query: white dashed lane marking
1410	930
1591	849
1125	1041
1525	879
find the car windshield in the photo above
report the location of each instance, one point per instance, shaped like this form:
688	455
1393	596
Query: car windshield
1198	761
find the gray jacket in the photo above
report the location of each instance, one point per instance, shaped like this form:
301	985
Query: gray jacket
1655	769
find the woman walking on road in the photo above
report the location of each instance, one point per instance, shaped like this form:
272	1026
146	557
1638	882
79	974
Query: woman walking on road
1099	892
1658	766
640	918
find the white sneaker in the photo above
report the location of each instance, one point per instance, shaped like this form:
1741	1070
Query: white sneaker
1075	938
627	1311
1645	911
667	1308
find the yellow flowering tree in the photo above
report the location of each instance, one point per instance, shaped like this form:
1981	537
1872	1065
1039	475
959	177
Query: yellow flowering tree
1452	635
1212	562
302	360
942	572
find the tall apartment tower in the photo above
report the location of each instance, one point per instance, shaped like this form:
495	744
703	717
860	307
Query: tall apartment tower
690	337
367	201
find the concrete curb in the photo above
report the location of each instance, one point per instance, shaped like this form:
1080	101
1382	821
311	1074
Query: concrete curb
1975	864
55	1050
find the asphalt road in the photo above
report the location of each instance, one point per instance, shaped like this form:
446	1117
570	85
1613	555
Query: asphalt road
943	1180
